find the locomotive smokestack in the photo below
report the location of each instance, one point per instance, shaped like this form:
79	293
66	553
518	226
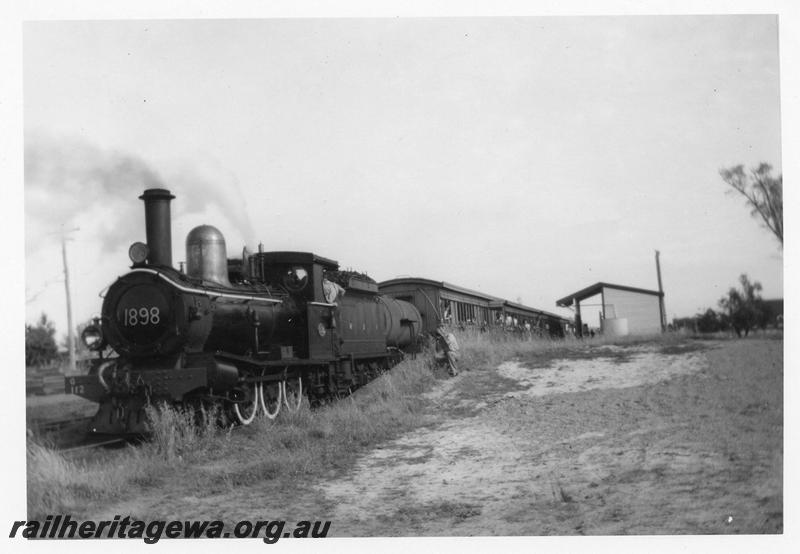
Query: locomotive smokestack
158	225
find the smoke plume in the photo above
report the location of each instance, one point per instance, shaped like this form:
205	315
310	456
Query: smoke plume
72	183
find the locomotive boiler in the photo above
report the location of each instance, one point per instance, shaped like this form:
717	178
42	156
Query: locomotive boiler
252	334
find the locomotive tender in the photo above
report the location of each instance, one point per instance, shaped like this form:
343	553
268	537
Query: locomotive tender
252	334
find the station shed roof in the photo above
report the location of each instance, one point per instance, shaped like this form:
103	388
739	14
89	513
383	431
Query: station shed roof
597	288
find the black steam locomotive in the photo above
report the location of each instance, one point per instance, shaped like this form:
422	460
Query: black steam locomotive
252	334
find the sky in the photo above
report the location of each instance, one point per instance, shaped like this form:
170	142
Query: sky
524	157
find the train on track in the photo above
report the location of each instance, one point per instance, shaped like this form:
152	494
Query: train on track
251	334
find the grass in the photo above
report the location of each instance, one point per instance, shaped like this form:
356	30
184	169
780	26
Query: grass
176	432
489	349
57	484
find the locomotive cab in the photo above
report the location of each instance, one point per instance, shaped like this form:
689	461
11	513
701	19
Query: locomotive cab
301	274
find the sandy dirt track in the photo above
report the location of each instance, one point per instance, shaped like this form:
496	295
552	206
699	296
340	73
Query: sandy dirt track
640	439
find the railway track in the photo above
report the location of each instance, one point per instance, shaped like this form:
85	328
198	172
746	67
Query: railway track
70	436
55	426
67	435
94	442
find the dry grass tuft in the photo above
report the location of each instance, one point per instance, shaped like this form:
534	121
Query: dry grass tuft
177	431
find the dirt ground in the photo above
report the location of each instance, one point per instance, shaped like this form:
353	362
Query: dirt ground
642	439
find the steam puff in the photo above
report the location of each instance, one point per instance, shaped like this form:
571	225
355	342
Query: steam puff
207	183
74	183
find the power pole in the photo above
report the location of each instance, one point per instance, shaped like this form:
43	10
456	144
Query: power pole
661	308
70	330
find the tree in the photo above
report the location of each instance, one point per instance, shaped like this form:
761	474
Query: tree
709	322
745	308
763	192
40	342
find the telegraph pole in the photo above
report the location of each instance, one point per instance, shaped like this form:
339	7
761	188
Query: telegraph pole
70	330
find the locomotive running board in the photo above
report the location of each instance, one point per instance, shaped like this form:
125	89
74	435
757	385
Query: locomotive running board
263	364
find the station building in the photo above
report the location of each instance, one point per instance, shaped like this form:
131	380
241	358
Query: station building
624	310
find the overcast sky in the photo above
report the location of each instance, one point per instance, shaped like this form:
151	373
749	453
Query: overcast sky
525	157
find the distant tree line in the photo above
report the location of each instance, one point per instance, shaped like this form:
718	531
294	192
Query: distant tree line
741	311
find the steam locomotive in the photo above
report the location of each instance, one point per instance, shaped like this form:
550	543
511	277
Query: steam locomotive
252	334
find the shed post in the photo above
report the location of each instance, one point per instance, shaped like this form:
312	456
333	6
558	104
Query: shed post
662	311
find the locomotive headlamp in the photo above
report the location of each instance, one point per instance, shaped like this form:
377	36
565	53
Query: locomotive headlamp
138	252
92	337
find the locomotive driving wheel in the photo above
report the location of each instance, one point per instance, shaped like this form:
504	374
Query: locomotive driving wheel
270	396
293	394
246	410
